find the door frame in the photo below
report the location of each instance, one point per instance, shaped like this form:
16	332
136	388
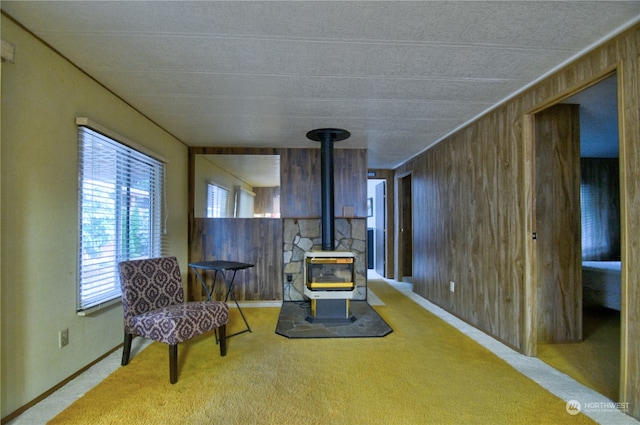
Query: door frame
380	227
530	315
387	176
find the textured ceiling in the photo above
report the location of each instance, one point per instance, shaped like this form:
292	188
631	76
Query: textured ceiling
398	75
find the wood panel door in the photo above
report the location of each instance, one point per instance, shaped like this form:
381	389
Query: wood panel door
558	245
406	229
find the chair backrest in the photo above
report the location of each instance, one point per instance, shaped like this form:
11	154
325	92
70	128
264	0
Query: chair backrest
149	284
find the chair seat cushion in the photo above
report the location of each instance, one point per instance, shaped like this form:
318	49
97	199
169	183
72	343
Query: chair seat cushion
178	323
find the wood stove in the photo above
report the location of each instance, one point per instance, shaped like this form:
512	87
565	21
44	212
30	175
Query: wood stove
329	283
329	275
329	271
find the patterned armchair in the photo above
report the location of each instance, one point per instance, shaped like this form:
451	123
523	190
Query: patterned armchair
154	308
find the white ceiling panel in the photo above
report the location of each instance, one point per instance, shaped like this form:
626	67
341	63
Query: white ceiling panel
398	75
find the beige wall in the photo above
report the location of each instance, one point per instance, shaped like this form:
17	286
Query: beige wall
41	96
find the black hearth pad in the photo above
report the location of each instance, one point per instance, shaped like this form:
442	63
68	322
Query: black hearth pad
293	323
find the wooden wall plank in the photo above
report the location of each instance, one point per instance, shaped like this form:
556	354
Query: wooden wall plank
629	101
264	200
249	240
300	184
473	210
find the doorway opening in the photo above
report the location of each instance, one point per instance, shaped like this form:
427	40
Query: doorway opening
376	225
586	346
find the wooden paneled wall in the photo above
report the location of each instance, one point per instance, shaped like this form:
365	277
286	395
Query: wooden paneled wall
259	240
248	240
300	182
464	229
474	203
265	198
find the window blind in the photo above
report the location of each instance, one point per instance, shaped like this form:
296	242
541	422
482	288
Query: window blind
217	201
244	203
120	210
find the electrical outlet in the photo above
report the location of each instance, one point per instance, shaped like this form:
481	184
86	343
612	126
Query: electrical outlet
63	338
452	286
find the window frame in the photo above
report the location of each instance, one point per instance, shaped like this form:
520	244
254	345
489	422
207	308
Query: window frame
128	208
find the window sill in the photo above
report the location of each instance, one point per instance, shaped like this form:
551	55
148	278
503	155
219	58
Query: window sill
96	308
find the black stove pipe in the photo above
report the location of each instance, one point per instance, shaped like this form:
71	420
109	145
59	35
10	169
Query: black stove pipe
327	136
328	216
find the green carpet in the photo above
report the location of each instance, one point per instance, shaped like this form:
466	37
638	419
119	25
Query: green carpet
424	372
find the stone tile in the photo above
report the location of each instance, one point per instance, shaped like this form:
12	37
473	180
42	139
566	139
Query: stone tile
294	322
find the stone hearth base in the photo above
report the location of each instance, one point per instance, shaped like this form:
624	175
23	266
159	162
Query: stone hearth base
292	323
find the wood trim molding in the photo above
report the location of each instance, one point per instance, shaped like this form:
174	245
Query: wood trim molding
55	388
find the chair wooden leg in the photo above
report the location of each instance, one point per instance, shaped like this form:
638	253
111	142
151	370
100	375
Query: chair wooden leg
126	349
173	363
223	339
